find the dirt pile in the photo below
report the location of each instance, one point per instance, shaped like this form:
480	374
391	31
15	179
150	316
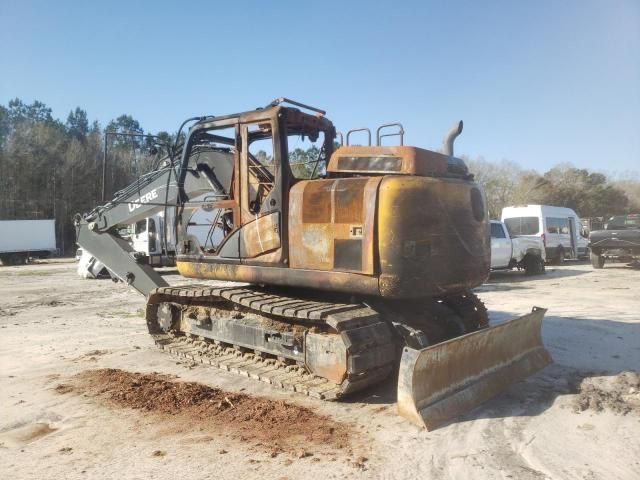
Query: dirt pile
619	393
277	426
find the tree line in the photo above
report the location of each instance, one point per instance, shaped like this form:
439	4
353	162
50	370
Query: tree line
590	194
51	168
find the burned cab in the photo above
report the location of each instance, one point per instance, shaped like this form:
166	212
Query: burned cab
249	161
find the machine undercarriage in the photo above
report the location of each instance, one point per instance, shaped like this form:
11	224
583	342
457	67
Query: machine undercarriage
328	349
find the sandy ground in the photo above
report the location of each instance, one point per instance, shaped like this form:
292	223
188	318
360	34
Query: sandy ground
55	325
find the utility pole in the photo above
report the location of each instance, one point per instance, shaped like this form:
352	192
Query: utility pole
104	168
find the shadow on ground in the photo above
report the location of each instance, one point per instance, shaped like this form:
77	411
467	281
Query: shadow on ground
552	273
622	266
168	271
617	341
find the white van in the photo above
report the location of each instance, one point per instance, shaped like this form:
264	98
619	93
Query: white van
559	227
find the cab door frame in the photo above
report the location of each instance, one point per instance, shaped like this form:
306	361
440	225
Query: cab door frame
262	234
232	203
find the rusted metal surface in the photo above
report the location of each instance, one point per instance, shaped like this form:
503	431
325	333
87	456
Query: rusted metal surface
439	383
260	236
326	356
331	225
254	366
289	277
402	223
390	160
311	201
407	236
430	241
252	194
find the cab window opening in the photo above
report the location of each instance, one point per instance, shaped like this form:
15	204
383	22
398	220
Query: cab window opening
307	154
212	157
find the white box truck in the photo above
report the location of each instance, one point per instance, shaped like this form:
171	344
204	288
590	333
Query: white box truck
21	240
559	227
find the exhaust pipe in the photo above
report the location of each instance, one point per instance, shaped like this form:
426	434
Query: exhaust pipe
450	137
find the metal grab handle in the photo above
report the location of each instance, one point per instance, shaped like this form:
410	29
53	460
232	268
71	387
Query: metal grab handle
281	100
339	134
359	130
400	132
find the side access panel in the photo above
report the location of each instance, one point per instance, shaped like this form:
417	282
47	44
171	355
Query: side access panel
331	225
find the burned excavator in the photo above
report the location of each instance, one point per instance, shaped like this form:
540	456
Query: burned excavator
353	263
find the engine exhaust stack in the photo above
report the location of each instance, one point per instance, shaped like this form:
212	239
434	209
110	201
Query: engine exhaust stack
450	137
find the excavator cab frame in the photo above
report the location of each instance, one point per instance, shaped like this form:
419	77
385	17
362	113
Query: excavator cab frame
249	205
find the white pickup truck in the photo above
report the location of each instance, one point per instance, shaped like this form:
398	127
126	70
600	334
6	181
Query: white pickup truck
507	252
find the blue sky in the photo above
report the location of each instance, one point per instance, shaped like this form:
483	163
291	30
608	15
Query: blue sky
536	82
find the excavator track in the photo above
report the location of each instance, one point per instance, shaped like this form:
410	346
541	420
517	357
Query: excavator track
249	364
322	349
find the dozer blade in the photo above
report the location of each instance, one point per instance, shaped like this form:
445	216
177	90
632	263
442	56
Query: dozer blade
439	383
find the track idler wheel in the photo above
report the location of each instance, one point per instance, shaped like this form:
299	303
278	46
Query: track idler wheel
166	316
162	317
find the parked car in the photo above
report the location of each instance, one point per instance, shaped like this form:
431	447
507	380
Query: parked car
620	240
559	228
509	252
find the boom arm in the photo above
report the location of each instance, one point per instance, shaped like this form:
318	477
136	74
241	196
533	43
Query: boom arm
97	231
119	257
